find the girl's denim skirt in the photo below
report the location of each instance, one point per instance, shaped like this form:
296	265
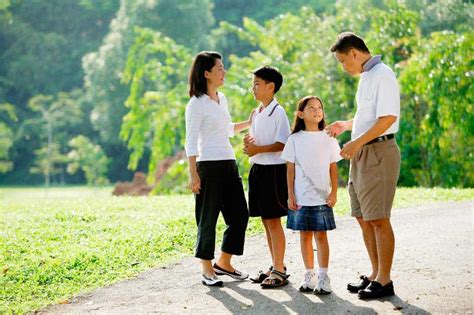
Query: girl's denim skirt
311	218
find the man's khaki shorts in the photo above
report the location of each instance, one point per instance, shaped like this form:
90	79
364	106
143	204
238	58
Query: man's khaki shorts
373	179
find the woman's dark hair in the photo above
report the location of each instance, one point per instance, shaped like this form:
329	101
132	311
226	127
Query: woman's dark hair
347	41
298	124
204	61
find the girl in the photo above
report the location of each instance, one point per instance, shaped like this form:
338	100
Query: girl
312	188
214	177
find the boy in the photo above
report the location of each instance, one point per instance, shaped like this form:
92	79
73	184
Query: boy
268	192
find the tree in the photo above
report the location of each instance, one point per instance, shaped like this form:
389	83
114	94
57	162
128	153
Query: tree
104	68
437	139
60	113
7	113
90	158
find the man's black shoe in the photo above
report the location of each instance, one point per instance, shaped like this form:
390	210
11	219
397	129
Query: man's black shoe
361	285
375	290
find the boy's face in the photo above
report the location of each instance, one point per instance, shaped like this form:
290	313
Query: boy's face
261	89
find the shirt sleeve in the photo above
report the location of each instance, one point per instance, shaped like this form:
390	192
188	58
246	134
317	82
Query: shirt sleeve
388	96
282	127
335	149
288	153
193	127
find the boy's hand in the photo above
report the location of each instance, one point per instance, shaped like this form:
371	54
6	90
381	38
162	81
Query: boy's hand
331	200
292	202
249	147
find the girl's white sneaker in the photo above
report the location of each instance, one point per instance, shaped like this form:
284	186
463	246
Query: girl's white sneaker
309	282
324	284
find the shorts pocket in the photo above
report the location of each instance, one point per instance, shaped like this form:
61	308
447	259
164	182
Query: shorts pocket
371	160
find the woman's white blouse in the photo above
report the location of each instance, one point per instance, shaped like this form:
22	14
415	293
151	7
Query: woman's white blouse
208	128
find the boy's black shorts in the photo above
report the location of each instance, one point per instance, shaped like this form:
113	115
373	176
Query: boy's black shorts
268	192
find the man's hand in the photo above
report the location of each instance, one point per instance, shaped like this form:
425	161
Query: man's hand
350	149
336	128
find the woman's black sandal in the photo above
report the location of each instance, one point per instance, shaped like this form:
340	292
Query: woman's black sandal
275	280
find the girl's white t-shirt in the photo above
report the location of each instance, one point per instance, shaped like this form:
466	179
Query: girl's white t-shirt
312	152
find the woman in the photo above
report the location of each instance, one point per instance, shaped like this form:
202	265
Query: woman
214	177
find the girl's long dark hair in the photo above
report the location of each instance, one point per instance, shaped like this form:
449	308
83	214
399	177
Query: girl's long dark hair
204	61
298	124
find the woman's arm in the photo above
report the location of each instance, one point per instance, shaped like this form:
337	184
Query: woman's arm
194	179
241	126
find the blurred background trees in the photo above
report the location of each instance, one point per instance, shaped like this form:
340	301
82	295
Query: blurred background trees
113	74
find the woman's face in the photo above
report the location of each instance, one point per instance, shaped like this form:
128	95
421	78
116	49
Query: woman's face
215	77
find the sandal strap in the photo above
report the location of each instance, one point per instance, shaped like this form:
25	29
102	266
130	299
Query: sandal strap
279	274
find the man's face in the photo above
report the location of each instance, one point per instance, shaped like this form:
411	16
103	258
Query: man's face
349	62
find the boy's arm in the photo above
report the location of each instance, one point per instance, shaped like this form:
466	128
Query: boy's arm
251	149
332	198
290	179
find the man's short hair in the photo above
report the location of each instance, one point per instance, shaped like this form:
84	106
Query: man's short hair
347	41
270	74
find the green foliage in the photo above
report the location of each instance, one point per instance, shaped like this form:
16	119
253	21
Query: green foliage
88	157
7	114
437	122
156	70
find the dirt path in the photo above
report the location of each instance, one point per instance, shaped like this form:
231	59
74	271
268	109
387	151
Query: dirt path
433	273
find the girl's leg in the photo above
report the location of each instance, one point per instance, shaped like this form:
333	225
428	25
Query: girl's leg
323	248
306	243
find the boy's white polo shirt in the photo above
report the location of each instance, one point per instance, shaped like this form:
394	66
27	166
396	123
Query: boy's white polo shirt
269	126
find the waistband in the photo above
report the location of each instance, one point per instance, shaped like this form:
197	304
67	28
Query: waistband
381	138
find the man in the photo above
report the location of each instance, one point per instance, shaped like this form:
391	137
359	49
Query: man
374	156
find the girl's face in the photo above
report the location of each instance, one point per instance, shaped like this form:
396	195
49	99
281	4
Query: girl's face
313	112
216	76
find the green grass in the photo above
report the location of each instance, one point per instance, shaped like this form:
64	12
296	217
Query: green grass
54	245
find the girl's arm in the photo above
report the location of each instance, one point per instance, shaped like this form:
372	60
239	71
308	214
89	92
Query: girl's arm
290	178
194	179
332	198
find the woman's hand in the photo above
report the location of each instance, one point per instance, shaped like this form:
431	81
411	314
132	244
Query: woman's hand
194	182
251	117
331	199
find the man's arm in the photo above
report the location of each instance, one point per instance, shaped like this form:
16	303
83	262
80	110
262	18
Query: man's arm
380	126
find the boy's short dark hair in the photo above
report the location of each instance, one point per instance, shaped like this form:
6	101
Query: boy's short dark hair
270	74
347	41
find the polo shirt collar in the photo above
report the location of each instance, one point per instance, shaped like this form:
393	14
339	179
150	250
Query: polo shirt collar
269	107
372	62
